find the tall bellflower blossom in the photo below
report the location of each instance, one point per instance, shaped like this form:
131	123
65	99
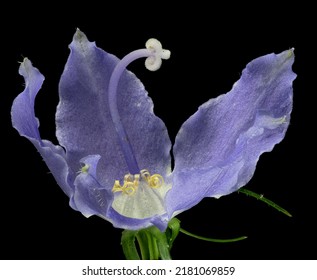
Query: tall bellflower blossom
113	159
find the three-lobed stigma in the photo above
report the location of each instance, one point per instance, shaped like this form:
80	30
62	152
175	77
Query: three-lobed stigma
157	53
132	182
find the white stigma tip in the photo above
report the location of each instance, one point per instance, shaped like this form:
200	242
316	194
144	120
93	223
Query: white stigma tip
154	61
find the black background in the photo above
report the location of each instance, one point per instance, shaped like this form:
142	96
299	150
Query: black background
210	47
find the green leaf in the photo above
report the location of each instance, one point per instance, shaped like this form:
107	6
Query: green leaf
213	239
265	200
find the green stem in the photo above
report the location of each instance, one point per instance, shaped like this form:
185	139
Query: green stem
265	200
212	239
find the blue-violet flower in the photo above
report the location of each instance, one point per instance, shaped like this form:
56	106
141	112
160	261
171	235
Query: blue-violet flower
114	157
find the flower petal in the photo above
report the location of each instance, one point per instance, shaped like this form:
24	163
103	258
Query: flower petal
90	198
25	122
217	148
120	221
84	124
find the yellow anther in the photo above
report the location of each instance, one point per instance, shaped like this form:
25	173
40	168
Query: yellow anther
128	178
117	187
129	188
156	181
84	169
131	182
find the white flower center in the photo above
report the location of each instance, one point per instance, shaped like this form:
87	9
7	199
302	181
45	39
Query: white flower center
140	196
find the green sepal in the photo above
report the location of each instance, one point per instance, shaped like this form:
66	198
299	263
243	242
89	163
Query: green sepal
144	243
160	240
128	245
152	244
172	231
